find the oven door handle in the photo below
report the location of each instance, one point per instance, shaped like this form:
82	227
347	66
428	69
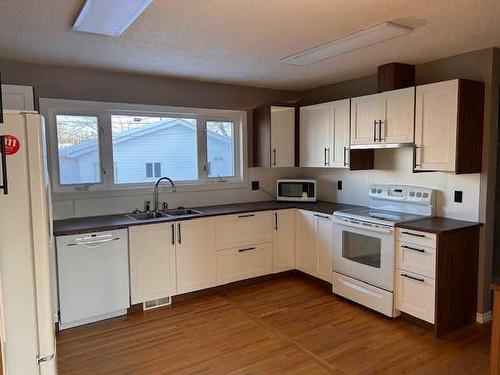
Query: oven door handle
356	224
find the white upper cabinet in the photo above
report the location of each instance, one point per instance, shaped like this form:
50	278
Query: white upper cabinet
315	136
324	134
383	118
397	116
195	254
436	126
18	97
364	113
340	133
282	137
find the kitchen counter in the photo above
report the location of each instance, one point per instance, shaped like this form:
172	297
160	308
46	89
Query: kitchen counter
109	222
437	225
495	284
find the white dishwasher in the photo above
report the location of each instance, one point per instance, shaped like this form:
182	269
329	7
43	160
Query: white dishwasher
93	277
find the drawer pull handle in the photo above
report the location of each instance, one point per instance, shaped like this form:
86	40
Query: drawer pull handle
248	215
413	248
414	234
246	249
322	216
412	277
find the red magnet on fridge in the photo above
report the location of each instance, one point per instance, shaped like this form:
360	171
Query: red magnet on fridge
11	144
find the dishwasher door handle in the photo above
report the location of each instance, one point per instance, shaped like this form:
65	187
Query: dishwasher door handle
86	244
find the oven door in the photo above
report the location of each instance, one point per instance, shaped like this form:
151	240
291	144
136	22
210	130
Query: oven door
364	252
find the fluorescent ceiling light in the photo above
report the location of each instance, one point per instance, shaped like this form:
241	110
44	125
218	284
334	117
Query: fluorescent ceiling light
109	17
348	43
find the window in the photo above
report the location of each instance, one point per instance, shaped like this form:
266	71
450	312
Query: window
220	149
139	139
149	170
107	146
78	149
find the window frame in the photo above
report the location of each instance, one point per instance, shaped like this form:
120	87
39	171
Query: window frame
50	108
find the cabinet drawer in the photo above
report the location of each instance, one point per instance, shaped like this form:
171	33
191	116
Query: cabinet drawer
243	229
415	295
416	237
416	258
244	263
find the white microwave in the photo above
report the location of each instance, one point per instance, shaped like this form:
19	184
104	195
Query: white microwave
296	190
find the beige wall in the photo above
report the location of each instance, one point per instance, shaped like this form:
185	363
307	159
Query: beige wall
90	84
483	65
477	65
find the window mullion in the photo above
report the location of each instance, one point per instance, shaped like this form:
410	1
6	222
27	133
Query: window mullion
202	148
106	150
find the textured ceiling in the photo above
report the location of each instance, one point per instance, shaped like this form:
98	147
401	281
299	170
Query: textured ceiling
242	41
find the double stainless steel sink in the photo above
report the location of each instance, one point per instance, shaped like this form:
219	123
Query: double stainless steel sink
178	212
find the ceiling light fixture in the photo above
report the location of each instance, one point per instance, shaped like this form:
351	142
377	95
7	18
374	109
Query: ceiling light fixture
364	38
109	17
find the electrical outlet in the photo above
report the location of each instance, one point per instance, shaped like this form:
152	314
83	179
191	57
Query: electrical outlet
255	185
458	196
339	185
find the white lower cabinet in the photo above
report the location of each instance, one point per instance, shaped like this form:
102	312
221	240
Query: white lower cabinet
415	295
304	240
323	237
195	254
415	273
152	262
243	229
284	240
313	237
243	263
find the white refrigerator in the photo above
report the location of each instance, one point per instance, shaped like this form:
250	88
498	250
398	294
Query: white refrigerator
26	248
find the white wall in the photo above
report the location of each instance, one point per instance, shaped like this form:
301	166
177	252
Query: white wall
394	166
104	203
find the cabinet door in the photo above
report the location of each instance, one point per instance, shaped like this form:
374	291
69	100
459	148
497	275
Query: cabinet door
315	135
415	295
284	241
244	263
195	255
364	112
436	126
282	137
152	262
397	113
304	241
323	236
340	117
243	229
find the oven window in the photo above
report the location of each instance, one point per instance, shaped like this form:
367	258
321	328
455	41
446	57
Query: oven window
361	249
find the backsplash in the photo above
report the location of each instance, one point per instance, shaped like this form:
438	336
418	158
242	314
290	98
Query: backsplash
126	201
392	166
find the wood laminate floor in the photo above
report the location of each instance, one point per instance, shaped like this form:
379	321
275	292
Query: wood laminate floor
288	325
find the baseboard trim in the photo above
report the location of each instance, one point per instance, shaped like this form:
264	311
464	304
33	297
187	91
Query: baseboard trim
483	318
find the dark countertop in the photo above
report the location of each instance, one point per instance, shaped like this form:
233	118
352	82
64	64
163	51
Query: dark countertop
437	224
109	222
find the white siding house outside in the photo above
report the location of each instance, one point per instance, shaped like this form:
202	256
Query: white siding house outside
145	153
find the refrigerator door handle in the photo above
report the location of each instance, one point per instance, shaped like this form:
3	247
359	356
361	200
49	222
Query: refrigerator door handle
3	156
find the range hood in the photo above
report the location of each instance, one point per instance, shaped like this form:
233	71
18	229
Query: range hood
376	146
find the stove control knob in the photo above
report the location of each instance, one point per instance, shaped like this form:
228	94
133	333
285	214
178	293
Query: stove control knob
412	193
425	195
419	194
374	190
379	191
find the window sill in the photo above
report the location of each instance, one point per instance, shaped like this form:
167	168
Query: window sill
137	190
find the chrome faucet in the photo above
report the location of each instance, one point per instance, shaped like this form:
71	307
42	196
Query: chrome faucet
155	196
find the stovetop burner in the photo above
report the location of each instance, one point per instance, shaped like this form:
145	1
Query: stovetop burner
378	216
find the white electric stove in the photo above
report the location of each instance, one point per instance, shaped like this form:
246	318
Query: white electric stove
364	243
